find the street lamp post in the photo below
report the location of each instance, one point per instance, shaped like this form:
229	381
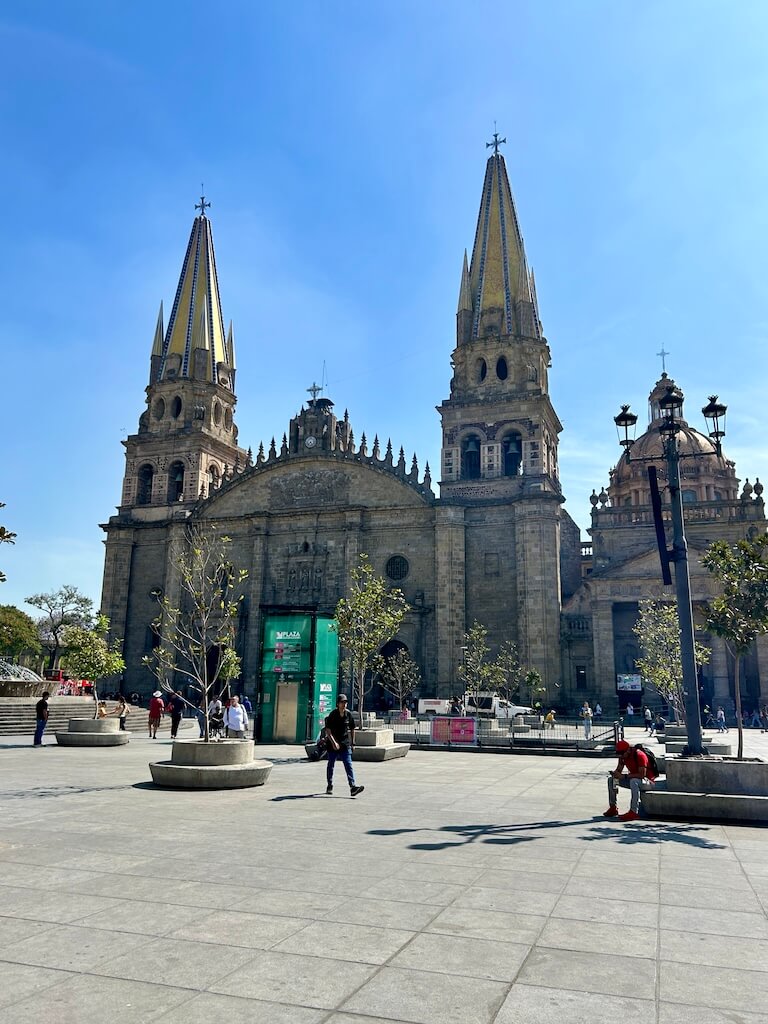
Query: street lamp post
671	405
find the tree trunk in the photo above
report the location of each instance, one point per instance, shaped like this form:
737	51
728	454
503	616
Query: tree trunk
737	698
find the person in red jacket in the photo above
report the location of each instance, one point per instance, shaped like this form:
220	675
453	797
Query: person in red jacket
156	709
638	777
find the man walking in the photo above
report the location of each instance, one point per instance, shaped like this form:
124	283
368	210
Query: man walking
175	708
41	715
638	778
340	733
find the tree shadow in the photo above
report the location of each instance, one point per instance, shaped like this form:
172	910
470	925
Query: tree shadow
646	833
494	835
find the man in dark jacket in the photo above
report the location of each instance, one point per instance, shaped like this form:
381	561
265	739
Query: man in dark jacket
41	715
340	733
175	708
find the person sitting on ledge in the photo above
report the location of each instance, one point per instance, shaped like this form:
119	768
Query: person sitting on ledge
638	778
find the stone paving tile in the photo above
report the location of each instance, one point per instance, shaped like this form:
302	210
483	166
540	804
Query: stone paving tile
718	922
176	962
639	871
453	873
292	904
625	939
710	897
730	878
50	906
143	917
296	980
386	913
672	1013
622	889
475	958
514	880
607	911
432	893
210	1008
354	942
488	924
528	1004
17	981
355	1018
424	998
233	928
612	975
87	999
517	902
717	987
72	948
700	948
14	929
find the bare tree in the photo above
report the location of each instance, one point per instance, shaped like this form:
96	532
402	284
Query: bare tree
399	675
197	639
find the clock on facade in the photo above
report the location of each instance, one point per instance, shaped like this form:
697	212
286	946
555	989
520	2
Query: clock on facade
310	442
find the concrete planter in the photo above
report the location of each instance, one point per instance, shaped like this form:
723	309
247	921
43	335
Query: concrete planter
373	744
726	777
93	732
195	764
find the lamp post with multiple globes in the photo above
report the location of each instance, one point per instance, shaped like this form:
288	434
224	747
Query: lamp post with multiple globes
671	407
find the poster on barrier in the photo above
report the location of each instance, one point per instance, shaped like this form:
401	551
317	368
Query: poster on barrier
454	730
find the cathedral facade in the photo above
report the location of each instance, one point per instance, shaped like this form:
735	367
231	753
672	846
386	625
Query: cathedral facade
492	544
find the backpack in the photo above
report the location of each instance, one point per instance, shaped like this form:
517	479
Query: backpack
653	764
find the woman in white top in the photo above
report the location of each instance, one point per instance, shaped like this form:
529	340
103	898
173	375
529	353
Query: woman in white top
236	720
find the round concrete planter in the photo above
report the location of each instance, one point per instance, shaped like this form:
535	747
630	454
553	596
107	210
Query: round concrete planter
93	732
195	764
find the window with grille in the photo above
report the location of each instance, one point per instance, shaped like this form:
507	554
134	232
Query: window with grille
397	567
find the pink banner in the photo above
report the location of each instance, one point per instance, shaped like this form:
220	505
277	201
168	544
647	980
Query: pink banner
454	730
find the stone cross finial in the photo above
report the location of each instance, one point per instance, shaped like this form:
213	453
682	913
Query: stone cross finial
202	206
314	391
496	143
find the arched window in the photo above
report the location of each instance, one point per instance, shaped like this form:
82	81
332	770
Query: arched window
481	370
176	482
144	490
512	454
502	371
213	478
470	458
689	496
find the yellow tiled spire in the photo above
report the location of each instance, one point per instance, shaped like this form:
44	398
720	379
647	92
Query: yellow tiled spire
499	282
196	308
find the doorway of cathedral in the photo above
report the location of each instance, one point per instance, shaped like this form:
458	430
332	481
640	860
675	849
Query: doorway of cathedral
298	674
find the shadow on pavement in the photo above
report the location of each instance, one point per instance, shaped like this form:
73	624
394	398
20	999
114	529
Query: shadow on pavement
295	796
46	792
647	833
497	835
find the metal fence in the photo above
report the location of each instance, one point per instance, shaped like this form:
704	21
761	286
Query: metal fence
492	732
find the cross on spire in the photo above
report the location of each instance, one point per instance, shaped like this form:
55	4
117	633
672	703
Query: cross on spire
496	142
663	355
202	206
314	391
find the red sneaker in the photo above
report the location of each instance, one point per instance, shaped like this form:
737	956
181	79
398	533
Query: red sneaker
612	812
629	816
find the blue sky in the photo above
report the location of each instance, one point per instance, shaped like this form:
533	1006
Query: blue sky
342	147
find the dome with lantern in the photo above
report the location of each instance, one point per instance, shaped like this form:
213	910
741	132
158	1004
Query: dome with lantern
708	477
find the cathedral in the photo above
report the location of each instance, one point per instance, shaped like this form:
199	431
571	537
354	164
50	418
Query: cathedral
490	542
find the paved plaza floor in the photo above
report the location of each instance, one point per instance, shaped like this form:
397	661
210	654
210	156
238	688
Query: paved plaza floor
459	888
